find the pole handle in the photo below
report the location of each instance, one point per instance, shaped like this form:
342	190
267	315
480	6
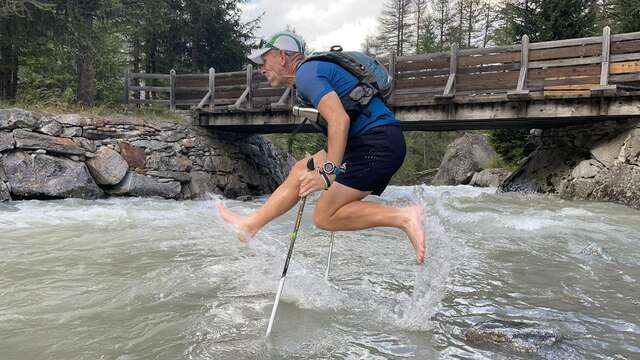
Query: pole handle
310	164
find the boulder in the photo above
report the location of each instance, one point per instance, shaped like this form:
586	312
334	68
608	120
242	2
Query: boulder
606	152
5	194
586	169
630	152
48	177
465	156
133	155
519	336
139	185
489	177
202	183
6	141
180	176
76	120
49	127
33	141
107	167
72	131
168	163
17	118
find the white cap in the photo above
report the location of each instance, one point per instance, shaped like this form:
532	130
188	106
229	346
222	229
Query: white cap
282	40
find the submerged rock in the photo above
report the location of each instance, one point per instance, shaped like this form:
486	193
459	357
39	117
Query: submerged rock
518	336
489	177
139	185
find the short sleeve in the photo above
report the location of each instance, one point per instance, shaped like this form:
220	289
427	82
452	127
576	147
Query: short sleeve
312	82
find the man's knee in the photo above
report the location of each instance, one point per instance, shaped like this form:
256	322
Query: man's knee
322	219
298	169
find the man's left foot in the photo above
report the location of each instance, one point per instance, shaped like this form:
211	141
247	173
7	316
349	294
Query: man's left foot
415	231
241	224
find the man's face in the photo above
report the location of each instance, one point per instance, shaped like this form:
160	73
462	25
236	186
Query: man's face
273	67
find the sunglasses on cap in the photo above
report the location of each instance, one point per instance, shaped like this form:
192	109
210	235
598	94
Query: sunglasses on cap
266	44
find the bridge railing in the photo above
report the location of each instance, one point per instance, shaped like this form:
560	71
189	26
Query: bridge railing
594	66
172	90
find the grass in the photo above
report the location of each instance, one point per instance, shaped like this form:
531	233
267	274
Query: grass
53	108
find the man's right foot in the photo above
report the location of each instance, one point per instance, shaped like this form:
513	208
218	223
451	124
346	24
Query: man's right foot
240	223
415	231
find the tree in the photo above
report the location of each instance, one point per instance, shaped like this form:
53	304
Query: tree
395	32
442	19
626	15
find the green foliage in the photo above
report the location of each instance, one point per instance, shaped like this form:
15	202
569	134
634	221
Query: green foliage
509	144
425	151
626	14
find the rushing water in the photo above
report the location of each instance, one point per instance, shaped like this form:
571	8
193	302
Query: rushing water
155	279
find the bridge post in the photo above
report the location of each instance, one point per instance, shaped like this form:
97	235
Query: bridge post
392	70
212	80
172	90
126	87
520	91
249	98
450	88
604	88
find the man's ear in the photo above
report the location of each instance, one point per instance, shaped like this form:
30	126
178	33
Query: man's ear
283	57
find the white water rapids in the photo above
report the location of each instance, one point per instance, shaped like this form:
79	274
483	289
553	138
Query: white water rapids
155	279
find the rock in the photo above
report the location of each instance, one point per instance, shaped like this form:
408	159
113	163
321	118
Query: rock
73	131
50	127
586	169
107	167
17	118
608	151
489	177
5	194
6	141
40	151
48	177
33	141
202	183
88	145
133	155
519	336
168	163
161	125
77	120
465	156
180	176
100	134
218	164
630	152
153	145
139	185
578	188
620	184
172	136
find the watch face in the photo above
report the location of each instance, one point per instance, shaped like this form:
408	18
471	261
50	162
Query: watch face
328	167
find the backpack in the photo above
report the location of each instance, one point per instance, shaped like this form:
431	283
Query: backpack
373	79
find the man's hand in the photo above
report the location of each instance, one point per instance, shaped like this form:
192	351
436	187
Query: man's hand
311	182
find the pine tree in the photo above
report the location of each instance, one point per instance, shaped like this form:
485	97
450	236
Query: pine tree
395	31
626	15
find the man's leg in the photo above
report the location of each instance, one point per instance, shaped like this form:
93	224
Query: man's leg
341	208
282	199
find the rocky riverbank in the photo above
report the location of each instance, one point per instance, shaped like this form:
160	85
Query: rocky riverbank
593	162
89	157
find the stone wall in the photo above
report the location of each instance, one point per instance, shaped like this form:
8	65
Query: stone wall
71	155
593	162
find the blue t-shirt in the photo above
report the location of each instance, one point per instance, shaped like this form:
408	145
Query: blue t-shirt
315	79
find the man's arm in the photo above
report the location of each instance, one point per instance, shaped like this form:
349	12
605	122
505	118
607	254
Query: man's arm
338	123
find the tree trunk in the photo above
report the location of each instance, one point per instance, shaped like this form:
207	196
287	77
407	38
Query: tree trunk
8	62
85	60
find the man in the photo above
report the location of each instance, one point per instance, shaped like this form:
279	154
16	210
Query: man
362	153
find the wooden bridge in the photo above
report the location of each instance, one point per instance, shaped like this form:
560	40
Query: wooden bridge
531	85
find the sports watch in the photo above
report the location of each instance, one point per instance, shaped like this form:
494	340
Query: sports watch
330	168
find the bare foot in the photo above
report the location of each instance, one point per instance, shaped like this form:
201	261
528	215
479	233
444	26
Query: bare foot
240	223
415	231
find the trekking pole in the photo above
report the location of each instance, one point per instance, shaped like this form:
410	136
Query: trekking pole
326	273
294	235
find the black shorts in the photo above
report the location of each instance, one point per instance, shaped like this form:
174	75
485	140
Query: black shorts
372	158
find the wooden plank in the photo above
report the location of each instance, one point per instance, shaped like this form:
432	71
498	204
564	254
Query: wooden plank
507	57
191	89
625	47
565	43
624	67
421	64
524	64
212	88
420	90
489	50
488	68
570	87
565	52
421	82
624	57
147	101
626	36
578	80
565	93
606	42
149	76
444	55
450	88
172	92
564	62
487	81
160	89
201	76
563	72
422	73
623	78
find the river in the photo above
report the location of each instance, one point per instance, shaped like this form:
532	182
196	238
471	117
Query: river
132	278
